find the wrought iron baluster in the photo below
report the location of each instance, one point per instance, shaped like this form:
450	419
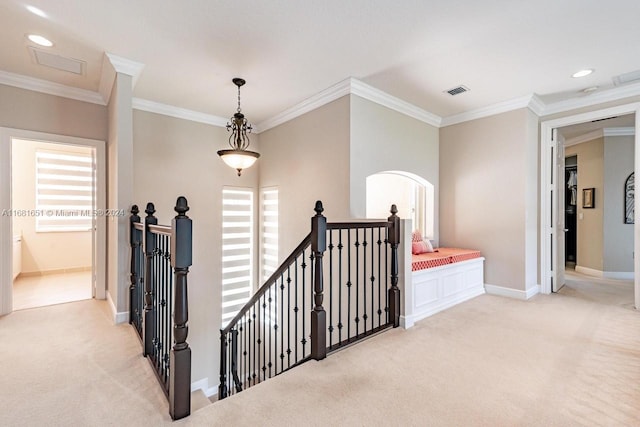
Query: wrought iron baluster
357	246
386	274
264	337
330	287
304	313
281	322
373	278
256	348
340	247
379	242
271	326
296	310
364	280
348	284
288	316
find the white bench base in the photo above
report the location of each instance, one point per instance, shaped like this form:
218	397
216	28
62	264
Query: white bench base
435	289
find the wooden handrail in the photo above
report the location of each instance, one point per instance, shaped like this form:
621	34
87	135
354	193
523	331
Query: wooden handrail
358	224
164	230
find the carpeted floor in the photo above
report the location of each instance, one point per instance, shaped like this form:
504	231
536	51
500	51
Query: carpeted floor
566	359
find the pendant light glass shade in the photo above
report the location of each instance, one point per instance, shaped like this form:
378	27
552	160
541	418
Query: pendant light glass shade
239	157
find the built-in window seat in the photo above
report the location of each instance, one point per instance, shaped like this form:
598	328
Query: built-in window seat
439	280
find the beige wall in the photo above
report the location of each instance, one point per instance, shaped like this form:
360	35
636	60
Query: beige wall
619	154
175	157
42	252
590	237
489	194
385	140
119	191
28	110
307	158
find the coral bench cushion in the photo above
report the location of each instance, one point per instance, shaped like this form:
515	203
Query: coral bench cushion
442	257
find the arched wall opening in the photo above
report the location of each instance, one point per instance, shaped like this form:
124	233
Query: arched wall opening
413	195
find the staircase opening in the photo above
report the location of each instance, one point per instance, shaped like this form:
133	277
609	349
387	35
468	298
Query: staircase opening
337	287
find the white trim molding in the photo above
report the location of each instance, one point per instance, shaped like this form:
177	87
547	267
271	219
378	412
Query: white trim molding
179	113
351	86
529	101
372	94
512	293
203	385
599	133
623	275
50	88
118	317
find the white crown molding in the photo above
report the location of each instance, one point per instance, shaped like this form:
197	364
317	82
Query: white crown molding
491	110
324	97
351	86
112	64
177	112
126	66
590	136
536	105
51	88
372	94
620	131
595	98
600	133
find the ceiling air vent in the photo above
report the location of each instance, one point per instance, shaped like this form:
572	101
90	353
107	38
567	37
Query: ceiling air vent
607	118
626	78
457	90
58	62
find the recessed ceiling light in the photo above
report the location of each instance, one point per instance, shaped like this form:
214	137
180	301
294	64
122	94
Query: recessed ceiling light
40	40
590	89
36	11
582	73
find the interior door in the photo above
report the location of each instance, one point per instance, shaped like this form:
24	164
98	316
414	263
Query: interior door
559	200
94	227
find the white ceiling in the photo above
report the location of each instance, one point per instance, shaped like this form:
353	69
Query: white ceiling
289	50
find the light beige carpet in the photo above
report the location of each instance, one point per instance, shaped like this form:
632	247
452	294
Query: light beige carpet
558	360
566	359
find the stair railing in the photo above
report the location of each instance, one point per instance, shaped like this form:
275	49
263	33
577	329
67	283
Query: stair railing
158	299
285	323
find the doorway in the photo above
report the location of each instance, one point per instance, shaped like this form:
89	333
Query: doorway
52	199
570	211
53	239
552	184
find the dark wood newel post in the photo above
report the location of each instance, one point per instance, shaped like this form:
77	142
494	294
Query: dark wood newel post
134	241
149	245
222	388
394	291
318	315
180	357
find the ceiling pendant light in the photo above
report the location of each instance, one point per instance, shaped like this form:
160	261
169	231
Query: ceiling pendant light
239	157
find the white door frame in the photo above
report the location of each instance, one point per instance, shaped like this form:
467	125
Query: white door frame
6	234
547	226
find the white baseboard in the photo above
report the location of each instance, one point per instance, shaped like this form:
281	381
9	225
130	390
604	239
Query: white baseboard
121	317
588	271
203	385
512	293
625	275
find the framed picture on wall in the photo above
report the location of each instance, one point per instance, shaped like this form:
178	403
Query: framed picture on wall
588	198
629	199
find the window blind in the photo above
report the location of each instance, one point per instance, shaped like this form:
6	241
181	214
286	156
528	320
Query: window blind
237	250
64	191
